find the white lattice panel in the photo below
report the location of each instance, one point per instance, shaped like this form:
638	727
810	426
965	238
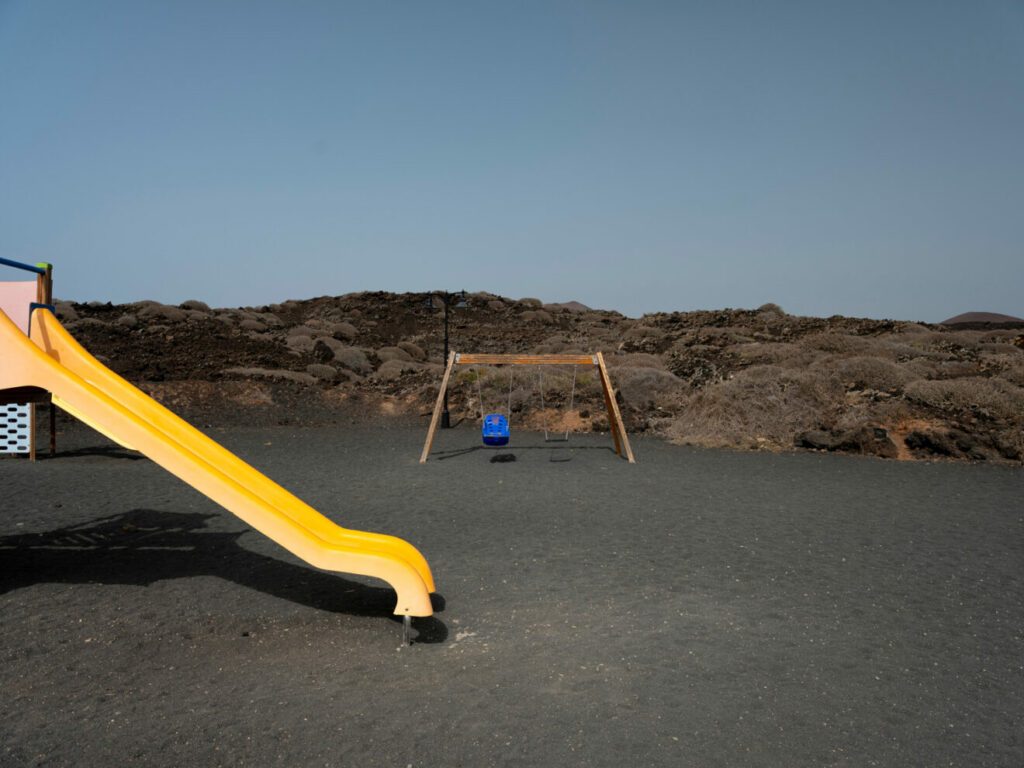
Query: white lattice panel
16	431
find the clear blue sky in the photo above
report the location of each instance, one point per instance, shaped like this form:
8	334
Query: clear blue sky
860	158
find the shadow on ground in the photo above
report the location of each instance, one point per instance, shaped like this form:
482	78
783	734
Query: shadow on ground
555	453
95	452
145	546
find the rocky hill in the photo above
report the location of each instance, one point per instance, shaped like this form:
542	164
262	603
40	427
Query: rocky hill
759	379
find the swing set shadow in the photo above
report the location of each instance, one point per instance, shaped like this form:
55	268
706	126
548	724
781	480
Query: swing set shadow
455	453
618	430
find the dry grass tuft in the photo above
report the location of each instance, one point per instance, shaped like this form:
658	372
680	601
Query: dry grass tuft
764	401
988	398
635	360
650	387
871	373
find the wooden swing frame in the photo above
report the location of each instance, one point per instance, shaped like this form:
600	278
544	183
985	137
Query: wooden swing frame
597	360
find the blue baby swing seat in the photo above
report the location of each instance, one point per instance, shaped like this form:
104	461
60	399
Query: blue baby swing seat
495	430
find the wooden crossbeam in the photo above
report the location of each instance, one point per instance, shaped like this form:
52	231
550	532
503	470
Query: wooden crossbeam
471	359
618	429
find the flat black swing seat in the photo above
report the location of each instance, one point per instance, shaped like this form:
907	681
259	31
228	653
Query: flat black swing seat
495	430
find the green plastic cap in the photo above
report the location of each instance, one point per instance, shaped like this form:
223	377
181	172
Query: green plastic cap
44	265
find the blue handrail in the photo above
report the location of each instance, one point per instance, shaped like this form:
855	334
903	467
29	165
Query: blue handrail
19	265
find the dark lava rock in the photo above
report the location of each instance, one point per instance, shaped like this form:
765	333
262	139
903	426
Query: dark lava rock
816	439
866	440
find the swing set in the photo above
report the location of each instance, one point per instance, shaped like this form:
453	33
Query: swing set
495	430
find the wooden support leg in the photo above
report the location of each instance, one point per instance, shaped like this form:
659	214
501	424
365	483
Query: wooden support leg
53	430
614	416
437	408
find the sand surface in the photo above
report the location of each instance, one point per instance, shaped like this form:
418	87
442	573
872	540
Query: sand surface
699	608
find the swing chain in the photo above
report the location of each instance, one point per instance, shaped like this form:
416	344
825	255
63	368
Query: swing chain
508	410
543	407
480	396
572	396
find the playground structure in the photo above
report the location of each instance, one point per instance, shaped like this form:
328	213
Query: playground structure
618	430
18	406
45	358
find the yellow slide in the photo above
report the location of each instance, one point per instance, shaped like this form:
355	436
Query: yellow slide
54	361
66	407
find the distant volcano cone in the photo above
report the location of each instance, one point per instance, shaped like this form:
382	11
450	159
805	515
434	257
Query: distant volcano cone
981	317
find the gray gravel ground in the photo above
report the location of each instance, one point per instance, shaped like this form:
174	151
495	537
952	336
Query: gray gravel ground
699	608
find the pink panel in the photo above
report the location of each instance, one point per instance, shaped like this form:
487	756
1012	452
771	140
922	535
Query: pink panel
15	299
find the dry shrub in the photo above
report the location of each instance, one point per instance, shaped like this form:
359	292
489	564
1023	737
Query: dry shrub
1001	336
903	350
649	387
945	341
522	398
969	339
920	368
323	372
761	401
783	354
995	347
550	346
922	336
893	410
913	328
330	342
635	360
871	373
353	359
251	324
163	312
954	369
1014	371
275	373
300	343
1000	346
492	385
65	311
640	332
415	352
728	334
195	304
344	331
556	381
771	309
995	398
536	315
393	353
837	343
391	370
897	347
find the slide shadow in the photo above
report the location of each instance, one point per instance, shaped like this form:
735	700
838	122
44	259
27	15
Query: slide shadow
145	546
96	451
